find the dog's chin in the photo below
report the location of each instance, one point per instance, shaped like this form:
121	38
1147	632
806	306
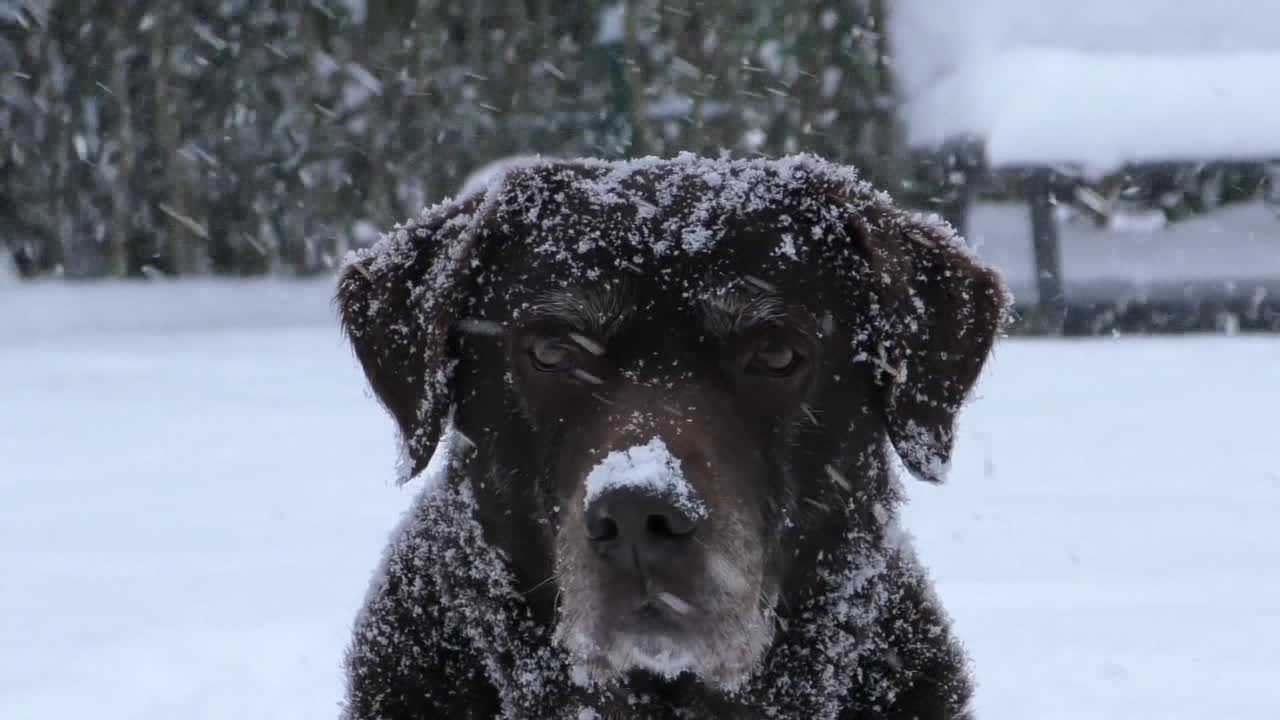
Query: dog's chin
667	645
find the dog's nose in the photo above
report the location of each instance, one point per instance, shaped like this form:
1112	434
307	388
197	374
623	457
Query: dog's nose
627	525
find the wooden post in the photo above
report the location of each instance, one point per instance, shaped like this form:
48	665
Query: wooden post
1051	308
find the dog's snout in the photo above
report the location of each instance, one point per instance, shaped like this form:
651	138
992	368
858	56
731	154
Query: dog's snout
625	523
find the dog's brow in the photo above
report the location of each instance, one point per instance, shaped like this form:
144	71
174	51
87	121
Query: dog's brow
738	309
594	312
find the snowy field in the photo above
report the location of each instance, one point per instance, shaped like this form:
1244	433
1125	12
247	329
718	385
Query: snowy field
194	487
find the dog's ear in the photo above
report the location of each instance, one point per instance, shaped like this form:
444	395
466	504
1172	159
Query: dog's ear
935	313
397	302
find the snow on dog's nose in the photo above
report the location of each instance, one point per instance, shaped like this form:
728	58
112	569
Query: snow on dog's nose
650	469
640	511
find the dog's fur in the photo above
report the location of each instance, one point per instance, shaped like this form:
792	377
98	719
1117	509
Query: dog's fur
577	309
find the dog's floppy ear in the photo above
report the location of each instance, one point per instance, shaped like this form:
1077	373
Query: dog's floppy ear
397	302
936	311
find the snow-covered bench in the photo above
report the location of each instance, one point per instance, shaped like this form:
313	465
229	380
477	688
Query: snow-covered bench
1054	92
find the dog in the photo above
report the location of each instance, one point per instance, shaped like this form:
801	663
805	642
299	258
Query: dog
661	404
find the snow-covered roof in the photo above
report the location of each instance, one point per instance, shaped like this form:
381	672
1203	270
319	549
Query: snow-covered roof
1092	82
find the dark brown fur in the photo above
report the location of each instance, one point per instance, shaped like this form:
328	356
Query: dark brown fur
894	320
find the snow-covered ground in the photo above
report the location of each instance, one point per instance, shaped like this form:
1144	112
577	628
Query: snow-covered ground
194	488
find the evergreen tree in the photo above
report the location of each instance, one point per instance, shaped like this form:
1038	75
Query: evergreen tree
245	137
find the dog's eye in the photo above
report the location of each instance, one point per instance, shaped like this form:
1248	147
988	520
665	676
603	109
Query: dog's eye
550	354
774	357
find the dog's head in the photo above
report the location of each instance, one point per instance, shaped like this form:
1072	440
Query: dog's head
679	376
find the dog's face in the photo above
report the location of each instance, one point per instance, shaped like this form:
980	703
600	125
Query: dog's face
658	414
669	428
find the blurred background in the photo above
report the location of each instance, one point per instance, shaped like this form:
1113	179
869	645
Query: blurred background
1120	162
195	484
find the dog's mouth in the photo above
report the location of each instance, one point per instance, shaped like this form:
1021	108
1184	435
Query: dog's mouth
658	613
670	611
693	626
656	633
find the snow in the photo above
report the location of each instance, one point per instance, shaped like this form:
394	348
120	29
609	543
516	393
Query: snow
196	489
612	25
649	468
482	176
1092	82
529	191
1103	110
1105	543
358	10
8	270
